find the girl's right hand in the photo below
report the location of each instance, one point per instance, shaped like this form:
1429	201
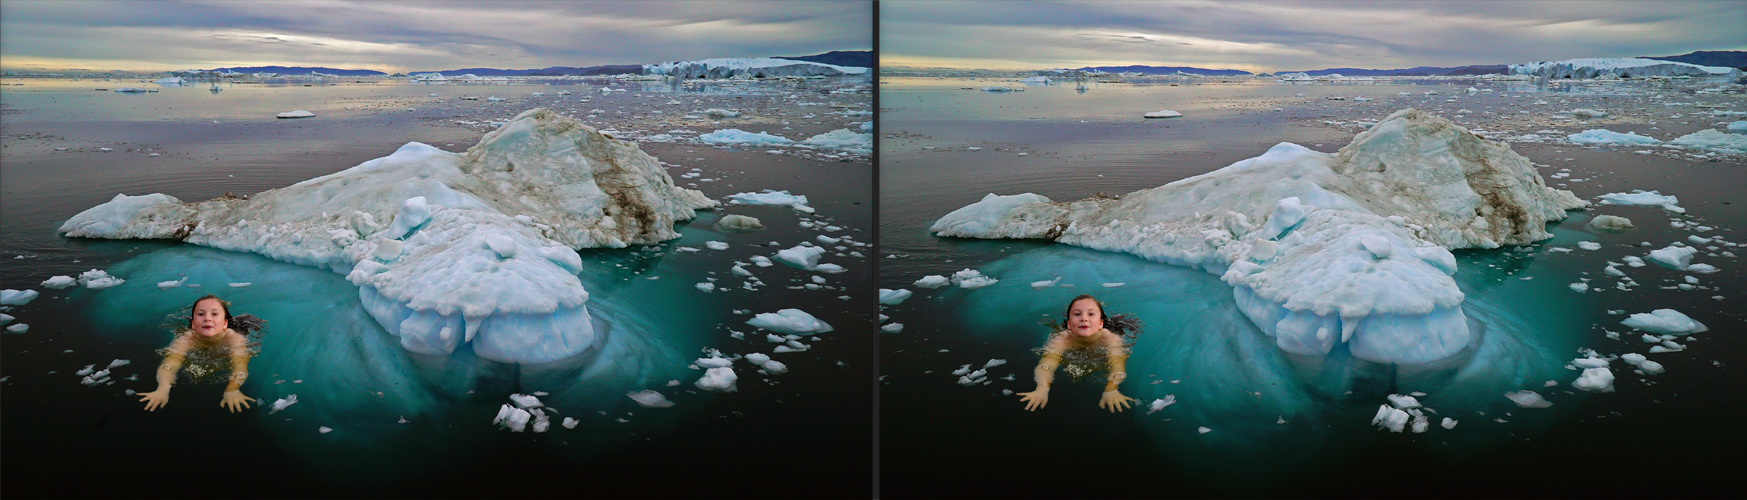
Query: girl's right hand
156	399
1035	399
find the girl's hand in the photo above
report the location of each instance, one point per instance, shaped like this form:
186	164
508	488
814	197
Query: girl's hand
235	401
1035	399
155	399
1116	401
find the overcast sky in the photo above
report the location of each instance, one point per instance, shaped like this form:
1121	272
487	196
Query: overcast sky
1297	35
401	36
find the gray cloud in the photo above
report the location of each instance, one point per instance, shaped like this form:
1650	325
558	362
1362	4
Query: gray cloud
424	35
1301	34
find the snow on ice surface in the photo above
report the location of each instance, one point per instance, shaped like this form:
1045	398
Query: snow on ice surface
737	136
1665	322
793	321
729	67
1604	136
1366	262
447	248
1618	67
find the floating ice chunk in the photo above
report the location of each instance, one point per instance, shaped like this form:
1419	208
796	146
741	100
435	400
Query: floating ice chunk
1650	367
1203	430
1114	285
570	423
1579	287
525	401
760	261
793	321
296	114
741	223
718	379
1632	358
716	245
165	285
1644	198
737	136
803	257
991	218
1595	380
972	279
18	328
770	197
775	367
1039	285
1163	113
1702	268
11	297
1713	140
649	399
240	285
932	281
516	419
283	403
1403	402
1604	136
843	139
1528	399
1161	403
1673	257
59	282
97	279
892	327
325	429
1633	261
893	297
1665	322
1588	245
1449	423
1390	418
994	363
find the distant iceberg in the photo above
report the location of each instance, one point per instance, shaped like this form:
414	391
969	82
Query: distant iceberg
446	248
1618	68
762	67
1320	249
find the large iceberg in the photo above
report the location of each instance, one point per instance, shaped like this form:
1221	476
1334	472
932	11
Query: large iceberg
1321	249
760	67
1618	68
446	248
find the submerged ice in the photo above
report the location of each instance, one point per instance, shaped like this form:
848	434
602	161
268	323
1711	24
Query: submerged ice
1320	249
447	248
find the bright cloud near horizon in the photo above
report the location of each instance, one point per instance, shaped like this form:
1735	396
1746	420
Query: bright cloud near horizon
1297	35
412	36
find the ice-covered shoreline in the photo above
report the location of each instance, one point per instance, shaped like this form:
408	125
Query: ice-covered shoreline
447	247
1320	248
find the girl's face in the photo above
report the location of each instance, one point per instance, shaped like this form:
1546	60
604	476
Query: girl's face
208	318
1084	317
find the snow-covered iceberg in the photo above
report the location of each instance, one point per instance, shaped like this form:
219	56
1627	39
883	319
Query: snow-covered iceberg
447	248
1618	68
1321	249
760	67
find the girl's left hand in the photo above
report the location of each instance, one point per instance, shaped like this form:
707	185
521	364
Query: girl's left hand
235	401
1115	401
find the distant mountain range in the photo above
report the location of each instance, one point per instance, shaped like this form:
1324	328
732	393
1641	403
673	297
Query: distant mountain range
858	58
1166	70
1727	58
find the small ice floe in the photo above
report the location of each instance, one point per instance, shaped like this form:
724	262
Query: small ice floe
59	282
97	279
741	223
1528	399
971	279
1588	245
706	287
1449	423
1203	430
647	399
1644	198
1610	223
570	423
17	297
892	328
1403	402
894	297
240	284
526	401
1039	285
801	256
718	379
296	114
793	321
1665	322
118	362
18	328
771	197
1163	113
716	245
1595	380
730	136
166	285
932	281
1588	113
325	429
1390	418
1600	136
1633	261
1579	287
1161	403
516	419
1673	257
1713	140
1643	364
282	403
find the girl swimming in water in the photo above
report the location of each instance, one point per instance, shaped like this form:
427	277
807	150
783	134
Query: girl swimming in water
1085	336
211	338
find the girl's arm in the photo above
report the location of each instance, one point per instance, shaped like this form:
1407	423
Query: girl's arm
1045	373
1117	358
233	395
167	373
